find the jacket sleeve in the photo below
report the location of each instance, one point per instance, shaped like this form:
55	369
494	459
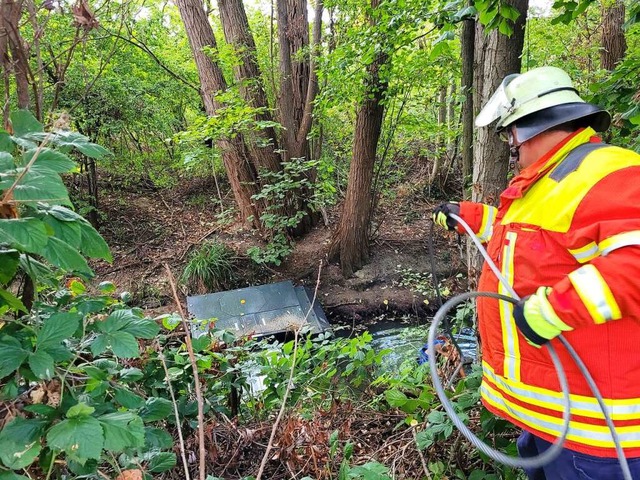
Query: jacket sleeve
606	240
479	217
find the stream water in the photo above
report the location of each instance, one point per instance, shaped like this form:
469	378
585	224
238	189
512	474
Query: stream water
406	342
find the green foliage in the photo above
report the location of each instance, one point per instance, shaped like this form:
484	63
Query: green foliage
619	94
290	190
30	183
211	267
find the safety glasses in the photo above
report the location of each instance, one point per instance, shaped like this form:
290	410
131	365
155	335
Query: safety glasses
506	135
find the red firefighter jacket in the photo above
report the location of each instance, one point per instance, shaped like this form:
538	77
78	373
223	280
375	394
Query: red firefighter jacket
571	222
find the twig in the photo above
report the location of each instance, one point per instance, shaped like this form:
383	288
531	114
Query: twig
175	409
194	367
422	459
296	332
265	457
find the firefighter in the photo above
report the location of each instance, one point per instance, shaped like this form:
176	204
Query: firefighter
566	236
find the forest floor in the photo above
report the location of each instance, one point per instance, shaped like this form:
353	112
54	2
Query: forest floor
147	228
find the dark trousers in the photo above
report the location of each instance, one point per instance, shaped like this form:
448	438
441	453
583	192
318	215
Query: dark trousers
571	465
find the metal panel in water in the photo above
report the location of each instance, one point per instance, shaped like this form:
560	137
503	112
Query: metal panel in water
261	310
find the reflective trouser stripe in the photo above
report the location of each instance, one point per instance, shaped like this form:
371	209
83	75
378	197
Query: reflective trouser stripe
509	330
595	294
626	409
488	217
587	434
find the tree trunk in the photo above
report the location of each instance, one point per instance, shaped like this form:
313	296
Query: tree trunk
440	143
241	174
15	59
351	242
247	74
293	39
614	44
298	89
496	56
466	85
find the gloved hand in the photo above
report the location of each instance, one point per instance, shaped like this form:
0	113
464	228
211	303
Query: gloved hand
440	215
536	319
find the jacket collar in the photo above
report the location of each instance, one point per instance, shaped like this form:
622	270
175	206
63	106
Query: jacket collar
527	177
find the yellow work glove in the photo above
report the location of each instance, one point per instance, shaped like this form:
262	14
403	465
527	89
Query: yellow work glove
440	215
536	319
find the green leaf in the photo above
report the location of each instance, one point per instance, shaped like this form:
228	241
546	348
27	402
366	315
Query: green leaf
106	287
6	145
92	150
128	375
40	409
395	398
124	345
127	398
162	462
11	355
436	417
142	328
58	327
92	244
122	430
64	256
6	161
157	438
11	301
20	442
9	260
68	232
9	391
26	234
37	185
81	438
24	122
89	467
49	159
80	410
41	365
156	408
100	344
12	476
117	320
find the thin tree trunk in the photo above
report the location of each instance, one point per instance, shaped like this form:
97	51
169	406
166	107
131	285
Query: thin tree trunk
498	56
16	58
614	43
351	243
242	176
293	39
439	147
466	85
247	74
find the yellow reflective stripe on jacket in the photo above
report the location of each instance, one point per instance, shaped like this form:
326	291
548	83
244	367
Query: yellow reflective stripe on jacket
595	294
509	330
580	432
592	250
488	217
618	241
586	253
627	409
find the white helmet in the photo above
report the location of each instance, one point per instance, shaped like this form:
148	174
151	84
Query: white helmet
546	91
